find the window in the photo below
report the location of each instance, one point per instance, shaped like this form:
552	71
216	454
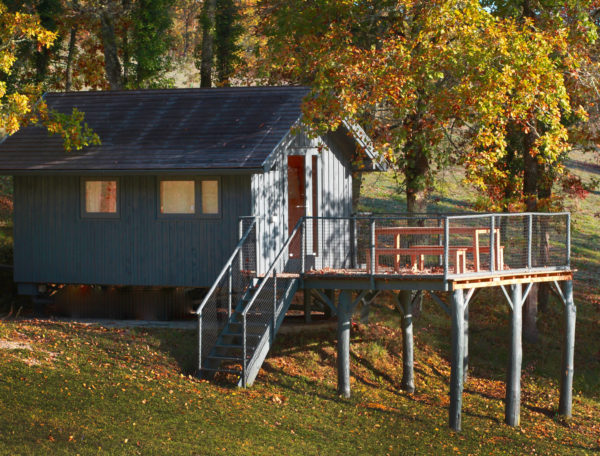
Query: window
177	197
189	197
100	197
210	197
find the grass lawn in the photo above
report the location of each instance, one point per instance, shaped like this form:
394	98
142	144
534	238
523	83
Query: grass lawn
68	388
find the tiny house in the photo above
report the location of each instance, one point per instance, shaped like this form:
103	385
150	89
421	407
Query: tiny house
159	202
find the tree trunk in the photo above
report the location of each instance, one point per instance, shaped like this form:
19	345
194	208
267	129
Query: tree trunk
415	174
544	194
530	188
207	19
70	56
357	181
112	65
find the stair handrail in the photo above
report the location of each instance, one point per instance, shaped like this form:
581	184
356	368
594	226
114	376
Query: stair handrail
228	264
264	280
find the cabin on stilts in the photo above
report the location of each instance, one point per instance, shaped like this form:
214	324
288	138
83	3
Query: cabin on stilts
161	201
224	189
341	261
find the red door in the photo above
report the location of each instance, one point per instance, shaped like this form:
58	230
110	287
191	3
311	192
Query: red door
296	196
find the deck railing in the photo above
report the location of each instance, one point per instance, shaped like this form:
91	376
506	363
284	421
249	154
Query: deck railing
268	298
232	283
443	245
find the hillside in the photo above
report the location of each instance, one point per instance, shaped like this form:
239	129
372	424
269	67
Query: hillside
70	388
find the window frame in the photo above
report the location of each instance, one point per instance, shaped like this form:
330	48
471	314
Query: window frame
99	215
198	214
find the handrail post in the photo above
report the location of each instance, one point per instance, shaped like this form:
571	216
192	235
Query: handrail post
200	345
446	246
568	240
492	244
440	242
353	242
372	246
244	362
256	244
229	290
241	233
303	245
529	240
274	304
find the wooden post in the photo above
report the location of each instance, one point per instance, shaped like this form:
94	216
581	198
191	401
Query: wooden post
373	264
566	380
200	345
343	345
457	358
466	343
365	309
307	304
229	290
408	375
513	378
327	310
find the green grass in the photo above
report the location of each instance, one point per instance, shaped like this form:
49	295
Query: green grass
80	389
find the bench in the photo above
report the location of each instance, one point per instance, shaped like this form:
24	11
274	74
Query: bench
417	255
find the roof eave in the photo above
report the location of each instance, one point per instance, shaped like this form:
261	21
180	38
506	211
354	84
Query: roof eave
285	141
362	139
126	172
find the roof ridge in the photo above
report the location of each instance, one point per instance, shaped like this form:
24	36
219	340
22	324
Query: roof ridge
181	90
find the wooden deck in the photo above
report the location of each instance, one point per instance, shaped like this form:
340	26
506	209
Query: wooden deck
359	279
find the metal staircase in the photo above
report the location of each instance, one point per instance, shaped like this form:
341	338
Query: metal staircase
241	314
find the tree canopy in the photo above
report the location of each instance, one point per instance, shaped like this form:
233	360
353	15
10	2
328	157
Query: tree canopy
433	81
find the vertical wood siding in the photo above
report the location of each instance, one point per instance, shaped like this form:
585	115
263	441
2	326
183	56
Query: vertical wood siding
270	206
54	244
334	196
335	200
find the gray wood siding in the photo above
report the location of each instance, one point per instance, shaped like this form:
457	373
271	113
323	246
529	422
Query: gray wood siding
54	244
334	200
270	205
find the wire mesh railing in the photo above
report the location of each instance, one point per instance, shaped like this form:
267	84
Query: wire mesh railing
266	305
512	242
231	285
252	298
436	244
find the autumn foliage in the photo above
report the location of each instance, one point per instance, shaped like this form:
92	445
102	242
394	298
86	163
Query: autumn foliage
434	82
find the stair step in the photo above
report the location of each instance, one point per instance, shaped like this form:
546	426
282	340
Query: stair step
249	348
226	358
227	371
249	324
239	334
233	346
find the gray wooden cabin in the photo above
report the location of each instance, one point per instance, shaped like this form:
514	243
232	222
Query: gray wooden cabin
158	203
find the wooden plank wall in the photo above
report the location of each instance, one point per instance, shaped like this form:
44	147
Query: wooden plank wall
270	205
334	198
54	244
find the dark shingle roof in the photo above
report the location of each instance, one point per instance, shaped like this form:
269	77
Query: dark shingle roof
174	129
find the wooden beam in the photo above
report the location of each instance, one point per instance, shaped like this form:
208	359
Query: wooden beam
566	380
405	305
513	378
440	303
494	281
307	304
327	300
456	367
344	315
466	338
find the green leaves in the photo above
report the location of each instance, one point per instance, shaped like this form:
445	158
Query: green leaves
75	133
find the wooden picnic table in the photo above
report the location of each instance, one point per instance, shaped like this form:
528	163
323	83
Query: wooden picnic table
475	247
